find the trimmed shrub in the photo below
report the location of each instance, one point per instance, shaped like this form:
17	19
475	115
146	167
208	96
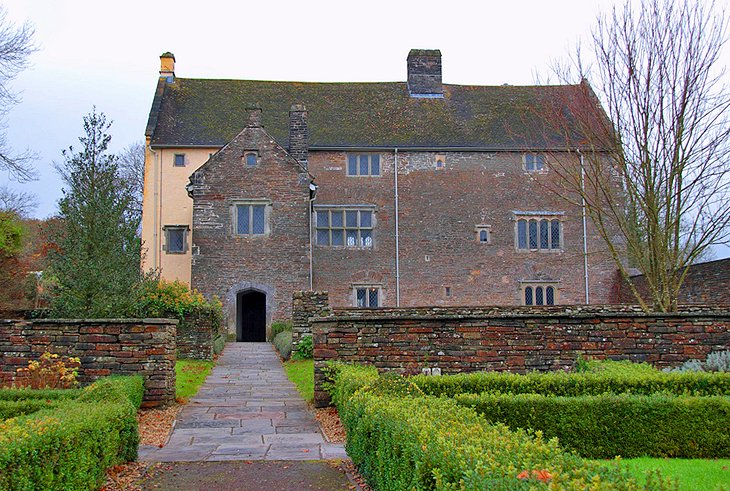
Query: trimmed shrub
115	388
577	384
279	327
15	408
70	447
305	349
53	394
605	426
425	443
342	380
614	367
282	343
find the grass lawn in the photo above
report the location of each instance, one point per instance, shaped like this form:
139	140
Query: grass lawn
190	376
693	474
301	372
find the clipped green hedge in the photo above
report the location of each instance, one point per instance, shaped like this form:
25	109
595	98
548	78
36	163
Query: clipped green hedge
70	447
577	384
115	388
53	394
426	443
13	409
608	425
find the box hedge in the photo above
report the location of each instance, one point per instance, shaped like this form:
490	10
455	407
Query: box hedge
70	447
404	442
608	425
53	394
15	408
577	384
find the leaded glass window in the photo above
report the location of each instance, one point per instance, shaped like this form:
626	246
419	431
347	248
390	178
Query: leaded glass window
539	234
367	297
540	294
363	164
250	219
534	161
345	227
176	239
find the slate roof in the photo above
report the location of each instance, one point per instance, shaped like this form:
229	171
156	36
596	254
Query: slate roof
207	112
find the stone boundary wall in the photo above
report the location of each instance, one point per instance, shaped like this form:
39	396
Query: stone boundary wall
105	347
305	306
197	335
517	339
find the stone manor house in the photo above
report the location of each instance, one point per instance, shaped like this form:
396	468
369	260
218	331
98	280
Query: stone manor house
384	194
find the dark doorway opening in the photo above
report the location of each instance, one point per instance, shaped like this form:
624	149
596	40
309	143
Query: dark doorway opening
251	316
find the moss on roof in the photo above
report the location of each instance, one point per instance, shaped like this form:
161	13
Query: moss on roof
211	112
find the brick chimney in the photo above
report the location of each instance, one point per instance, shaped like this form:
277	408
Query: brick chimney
254	116
298	134
167	66
424	73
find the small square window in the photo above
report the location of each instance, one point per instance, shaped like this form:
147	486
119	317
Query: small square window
367	297
251	159
440	162
534	162
176	239
179	160
484	233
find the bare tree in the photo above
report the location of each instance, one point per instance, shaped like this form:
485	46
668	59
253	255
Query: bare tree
21	203
16	45
654	172
131	170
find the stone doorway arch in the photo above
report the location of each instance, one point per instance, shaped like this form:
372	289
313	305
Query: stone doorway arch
247	301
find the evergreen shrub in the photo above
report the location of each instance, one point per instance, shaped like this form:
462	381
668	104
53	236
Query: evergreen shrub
402	442
69	447
608	425
577	384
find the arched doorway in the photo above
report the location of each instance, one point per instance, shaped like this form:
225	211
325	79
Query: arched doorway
251	316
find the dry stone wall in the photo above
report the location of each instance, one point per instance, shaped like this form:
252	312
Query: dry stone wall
518	339
105	347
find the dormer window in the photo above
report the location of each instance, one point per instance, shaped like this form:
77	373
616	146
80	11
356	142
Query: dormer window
251	159
534	162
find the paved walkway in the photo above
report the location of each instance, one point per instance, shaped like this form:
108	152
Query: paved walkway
247	409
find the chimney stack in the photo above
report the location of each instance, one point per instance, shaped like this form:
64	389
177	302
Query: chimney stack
424	73
254	116
299	134
167	66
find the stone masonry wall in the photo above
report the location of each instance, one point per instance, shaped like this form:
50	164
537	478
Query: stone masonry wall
441	262
196	336
105	347
515	339
306	305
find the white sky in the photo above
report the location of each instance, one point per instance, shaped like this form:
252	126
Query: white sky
106	53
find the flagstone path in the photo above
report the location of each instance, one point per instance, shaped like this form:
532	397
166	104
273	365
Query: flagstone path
247	409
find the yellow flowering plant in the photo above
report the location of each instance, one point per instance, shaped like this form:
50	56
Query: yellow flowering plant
50	371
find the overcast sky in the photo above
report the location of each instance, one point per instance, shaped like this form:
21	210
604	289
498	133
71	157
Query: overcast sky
106	54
